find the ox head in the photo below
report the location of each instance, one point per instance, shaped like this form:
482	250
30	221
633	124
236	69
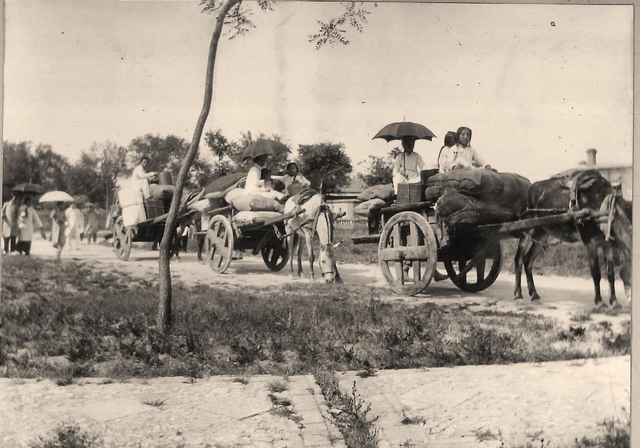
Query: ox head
327	261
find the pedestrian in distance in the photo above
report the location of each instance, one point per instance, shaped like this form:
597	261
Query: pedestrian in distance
10	230
75	224
91	224
59	217
28	221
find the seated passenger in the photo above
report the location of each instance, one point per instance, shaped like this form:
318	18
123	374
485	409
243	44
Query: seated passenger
293	176
255	182
449	141
407	166
461	155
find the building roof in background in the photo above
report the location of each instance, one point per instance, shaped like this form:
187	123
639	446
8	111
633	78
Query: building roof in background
598	166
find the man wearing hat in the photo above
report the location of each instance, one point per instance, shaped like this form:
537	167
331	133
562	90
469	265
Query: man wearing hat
407	166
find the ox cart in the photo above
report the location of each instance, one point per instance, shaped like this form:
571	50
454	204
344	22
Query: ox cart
227	232
411	241
134	219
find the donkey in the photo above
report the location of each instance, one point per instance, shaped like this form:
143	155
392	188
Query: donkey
317	219
585	190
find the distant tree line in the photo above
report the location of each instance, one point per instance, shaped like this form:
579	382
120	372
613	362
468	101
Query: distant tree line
96	172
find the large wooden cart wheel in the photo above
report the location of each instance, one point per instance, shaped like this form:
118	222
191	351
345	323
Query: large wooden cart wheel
219	243
478	273
122	239
440	276
408	253
276	254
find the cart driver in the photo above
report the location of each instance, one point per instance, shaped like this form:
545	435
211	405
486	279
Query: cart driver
407	165
141	177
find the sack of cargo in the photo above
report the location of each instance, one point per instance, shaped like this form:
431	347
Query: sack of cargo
364	208
256	202
234	194
432	193
456	209
477	182
129	196
224	182
383	192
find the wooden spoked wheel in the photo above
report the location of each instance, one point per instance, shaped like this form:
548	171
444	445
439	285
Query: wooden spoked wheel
219	242
408	253
479	272
122	239
276	254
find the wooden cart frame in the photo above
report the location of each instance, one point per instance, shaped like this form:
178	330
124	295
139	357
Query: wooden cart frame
411	241
224	238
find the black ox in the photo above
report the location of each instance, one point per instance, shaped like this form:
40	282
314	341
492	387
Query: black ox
585	190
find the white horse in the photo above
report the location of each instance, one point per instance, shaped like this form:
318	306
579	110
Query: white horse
317	219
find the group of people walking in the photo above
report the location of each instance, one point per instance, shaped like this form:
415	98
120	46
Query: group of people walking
20	219
456	153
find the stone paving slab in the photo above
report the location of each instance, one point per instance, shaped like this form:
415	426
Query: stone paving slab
489	405
215	412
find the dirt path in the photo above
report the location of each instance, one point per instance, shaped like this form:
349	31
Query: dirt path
563	298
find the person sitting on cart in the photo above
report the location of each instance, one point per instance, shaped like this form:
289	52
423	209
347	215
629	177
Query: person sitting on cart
407	165
293	176
449	140
461	155
255	182
141	176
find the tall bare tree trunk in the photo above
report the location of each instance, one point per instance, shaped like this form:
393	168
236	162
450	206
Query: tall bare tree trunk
164	319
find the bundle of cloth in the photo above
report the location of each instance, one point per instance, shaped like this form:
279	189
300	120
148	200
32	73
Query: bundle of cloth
231	188
477	196
374	198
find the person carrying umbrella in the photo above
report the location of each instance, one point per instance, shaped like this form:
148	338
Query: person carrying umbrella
408	164
59	217
461	155
255	182
28	220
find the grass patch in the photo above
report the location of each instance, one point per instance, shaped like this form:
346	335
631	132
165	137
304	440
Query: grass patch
350	414
156	403
241	379
276	387
68	436
104	324
415	420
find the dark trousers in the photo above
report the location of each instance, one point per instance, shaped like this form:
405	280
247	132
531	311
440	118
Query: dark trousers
9	244
24	246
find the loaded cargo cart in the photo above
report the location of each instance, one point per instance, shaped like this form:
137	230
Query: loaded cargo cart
137	219
230	232
459	225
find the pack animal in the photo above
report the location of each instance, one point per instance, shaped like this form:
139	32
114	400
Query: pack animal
317	219
585	190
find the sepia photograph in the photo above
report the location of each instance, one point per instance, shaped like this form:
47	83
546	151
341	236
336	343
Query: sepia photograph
294	224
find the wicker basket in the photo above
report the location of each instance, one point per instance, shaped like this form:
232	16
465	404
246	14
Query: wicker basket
153	208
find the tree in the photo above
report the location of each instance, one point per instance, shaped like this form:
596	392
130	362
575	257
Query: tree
51	169
379	170
18	166
166	154
231	13
326	165
228	153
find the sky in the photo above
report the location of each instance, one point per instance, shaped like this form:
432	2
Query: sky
537	84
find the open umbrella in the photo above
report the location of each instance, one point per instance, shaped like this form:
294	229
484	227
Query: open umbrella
263	146
28	188
395	131
56	196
